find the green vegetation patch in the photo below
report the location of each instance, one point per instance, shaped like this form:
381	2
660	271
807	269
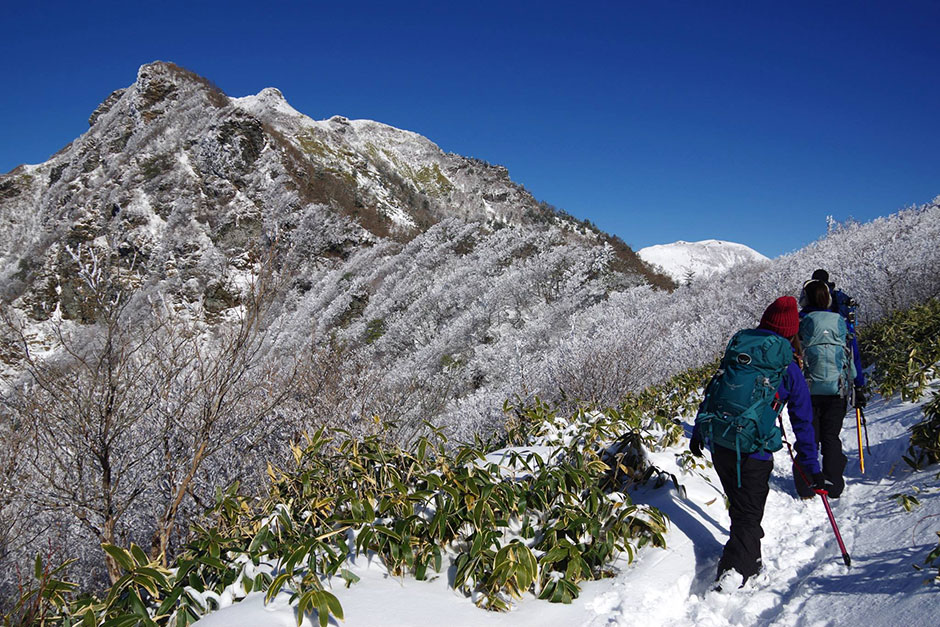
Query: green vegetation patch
374	330
313	146
925	437
13	187
432	181
510	523
154	166
905	349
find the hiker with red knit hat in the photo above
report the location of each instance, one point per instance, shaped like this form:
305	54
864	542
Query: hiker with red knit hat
759	375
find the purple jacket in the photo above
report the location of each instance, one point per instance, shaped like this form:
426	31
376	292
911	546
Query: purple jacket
795	393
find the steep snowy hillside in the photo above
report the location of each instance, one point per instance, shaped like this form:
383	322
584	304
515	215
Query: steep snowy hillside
685	261
192	188
202	274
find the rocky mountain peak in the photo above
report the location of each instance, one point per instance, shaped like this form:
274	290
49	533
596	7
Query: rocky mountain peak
189	185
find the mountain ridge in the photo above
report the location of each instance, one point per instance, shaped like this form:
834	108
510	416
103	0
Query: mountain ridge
171	153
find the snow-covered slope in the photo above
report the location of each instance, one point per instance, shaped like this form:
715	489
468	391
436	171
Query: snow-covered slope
683	261
804	581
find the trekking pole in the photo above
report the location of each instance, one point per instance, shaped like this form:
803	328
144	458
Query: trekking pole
858	426
835	528
861	413
822	493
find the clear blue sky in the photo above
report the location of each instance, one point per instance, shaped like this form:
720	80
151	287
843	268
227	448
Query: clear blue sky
658	121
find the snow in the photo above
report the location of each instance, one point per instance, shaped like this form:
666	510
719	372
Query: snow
269	99
700	259
804	581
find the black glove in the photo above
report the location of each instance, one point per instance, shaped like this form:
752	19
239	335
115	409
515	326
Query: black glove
860	400
696	445
819	482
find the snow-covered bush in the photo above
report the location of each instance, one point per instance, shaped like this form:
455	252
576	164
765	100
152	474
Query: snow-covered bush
536	518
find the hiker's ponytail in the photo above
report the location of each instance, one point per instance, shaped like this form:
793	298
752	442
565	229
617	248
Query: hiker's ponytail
797	349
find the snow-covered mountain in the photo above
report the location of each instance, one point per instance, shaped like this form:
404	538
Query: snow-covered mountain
684	261
192	185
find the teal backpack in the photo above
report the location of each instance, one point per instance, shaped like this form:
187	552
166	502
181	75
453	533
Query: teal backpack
827	357
739	412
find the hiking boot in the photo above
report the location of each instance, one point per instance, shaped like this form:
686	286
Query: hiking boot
729	580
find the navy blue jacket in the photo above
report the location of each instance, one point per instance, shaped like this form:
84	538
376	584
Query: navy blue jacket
838	298
795	393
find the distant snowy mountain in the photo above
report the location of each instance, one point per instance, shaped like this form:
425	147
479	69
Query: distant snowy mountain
698	260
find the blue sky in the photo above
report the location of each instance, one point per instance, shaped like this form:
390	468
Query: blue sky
658	121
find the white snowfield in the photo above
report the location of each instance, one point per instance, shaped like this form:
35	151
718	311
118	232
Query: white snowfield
682	261
804	581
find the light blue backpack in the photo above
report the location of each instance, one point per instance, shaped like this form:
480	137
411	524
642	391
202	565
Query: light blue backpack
827	357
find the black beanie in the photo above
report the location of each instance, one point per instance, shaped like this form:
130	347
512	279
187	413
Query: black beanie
821	275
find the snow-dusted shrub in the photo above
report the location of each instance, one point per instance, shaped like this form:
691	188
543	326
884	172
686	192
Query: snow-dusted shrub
537	518
119	433
925	436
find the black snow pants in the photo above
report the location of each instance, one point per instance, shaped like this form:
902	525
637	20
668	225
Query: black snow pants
828	416
742	552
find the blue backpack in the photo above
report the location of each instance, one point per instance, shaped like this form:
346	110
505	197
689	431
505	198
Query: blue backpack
827	358
739	411
846	306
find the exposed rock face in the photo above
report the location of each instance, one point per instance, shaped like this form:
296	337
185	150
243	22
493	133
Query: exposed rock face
186	184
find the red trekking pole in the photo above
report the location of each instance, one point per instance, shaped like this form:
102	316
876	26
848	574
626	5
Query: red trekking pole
832	519
824	495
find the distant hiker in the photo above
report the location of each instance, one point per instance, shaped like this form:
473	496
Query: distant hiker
737	420
829	364
845	306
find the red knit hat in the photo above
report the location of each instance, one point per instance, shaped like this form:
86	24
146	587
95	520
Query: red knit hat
781	317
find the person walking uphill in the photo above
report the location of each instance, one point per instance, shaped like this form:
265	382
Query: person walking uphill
737	420
829	366
844	305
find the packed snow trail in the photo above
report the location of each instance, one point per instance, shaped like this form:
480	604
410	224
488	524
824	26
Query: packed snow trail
804	581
